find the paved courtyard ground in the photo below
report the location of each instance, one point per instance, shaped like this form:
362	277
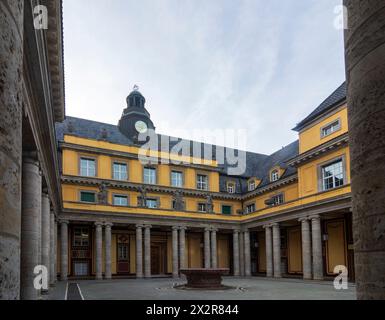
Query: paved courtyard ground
253	288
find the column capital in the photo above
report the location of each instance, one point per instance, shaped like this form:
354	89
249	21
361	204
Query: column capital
31	157
267	225
61	221
214	229
207	229
236	230
139	226
175	228
98	224
147	226
275	224
302	219
314	217
108	224
183	228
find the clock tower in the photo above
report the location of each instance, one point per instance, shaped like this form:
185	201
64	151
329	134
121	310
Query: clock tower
135	118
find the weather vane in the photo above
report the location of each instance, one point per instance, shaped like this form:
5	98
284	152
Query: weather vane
136	88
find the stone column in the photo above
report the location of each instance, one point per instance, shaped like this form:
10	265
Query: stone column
45	233
214	257
11	70
365	69
64	250
55	251
207	248
269	251
107	236
241	254
246	237
306	248
236	252
277	251
147	251
52	249
317	247
139	251
182	247
175	269
30	238
98	250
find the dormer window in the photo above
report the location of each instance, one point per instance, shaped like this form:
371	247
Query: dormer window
251	185
230	187
274	175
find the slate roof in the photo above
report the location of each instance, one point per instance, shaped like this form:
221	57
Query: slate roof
334	99
257	165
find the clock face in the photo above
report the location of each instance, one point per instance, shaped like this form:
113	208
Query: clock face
140	126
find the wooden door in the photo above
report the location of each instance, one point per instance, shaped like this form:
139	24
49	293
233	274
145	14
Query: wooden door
123	254
335	245
155	259
294	250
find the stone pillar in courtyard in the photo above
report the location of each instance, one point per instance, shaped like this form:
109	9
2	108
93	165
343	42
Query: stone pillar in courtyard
306	248
241	254
30	236
182	247
11	93
139	251
98	250
147	251
246	237
107	237
269	251
55	250
316	240
207	248
52	248
175	269
277	251
63	250
365	73
214	256
45	232
236	252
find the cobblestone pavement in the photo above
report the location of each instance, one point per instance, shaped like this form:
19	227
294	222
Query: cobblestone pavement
252	288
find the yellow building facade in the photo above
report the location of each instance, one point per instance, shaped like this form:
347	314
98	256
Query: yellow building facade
133	208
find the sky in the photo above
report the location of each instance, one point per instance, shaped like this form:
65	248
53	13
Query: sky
253	66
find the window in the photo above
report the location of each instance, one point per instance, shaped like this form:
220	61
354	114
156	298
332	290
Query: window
251	185
81	237
201	182
330	128
177	179
226	209
250	208
87	196
274	175
87	167
202	207
231	188
149	175
332	175
151	203
120	171
278	199
120	200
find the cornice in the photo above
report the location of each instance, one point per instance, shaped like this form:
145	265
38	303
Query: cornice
320	150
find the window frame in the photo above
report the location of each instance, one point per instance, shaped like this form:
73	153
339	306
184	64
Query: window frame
153	199
330	124
233	185
248	185
322	165
121	162
87	157
248	205
156	174
88	237
207	181
120	195
87	191
281	194
202	203
227	205
182	177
